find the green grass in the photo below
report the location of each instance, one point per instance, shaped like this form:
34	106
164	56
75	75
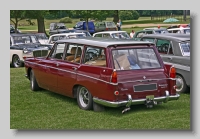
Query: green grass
47	110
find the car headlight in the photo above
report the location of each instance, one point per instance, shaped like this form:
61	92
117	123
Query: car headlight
25	51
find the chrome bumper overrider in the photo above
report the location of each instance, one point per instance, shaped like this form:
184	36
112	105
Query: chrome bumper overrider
130	101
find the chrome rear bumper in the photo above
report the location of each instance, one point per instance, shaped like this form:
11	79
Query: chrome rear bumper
130	101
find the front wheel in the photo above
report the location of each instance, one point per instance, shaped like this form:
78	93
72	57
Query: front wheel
84	98
34	84
16	63
181	86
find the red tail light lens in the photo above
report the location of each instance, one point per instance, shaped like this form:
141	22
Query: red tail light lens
172	73
24	57
114	77
106	28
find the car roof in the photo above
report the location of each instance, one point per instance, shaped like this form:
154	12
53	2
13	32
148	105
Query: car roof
22	34
178	28
103	42
154	29
171	36
109	32
71	33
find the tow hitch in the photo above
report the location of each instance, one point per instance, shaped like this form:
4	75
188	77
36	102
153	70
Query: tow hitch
128	105
150	101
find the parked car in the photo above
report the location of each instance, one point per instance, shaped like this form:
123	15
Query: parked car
22	45
179	26
82	26
12	29
137	36
56	37
105	26
87	33
179	30
174	49
112	34
56	28
102	72
42	38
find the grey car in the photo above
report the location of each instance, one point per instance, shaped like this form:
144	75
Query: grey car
105	26
146	31
174	49
56	28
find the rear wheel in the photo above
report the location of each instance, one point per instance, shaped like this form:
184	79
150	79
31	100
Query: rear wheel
84	98
34	84
16	62
181	86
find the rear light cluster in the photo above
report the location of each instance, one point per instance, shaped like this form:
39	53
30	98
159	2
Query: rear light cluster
106	28
114	77
172	72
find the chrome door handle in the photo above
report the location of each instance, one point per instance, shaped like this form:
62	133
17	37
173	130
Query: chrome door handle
57	64
74	68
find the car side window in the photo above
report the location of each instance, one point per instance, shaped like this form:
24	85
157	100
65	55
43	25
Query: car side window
139	35
74	53
106	36
58	51
95	56
148	39
98	35
164	46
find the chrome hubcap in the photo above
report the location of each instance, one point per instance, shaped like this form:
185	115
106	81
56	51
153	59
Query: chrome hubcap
83	97
179	83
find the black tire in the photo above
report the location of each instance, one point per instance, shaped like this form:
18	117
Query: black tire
16	63
33	82
84	98
181	84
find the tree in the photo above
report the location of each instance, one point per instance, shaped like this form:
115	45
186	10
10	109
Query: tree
16	16
116	16
39	15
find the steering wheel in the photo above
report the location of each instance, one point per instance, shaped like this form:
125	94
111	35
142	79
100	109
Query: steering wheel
165	47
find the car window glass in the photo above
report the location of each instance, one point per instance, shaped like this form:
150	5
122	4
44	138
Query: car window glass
26	39
139	35
149	32
34	40
58	51
106	35
163	46
110	24
132	59
95	56
148	40
98	35
185	48
73	53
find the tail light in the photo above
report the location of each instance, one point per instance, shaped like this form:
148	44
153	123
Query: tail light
24	57
106	28
114	77
172	72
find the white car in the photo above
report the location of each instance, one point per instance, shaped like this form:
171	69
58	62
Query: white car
56	37
42	38
23	45
112	34
179	30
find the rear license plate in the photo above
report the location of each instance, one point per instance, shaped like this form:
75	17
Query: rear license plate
145	87
150	97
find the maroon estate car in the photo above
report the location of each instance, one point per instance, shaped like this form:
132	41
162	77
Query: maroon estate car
104	72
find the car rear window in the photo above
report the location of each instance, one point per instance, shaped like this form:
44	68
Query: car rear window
137	58
185	48
110	24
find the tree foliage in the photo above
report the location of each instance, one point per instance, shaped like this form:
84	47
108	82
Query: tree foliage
16	16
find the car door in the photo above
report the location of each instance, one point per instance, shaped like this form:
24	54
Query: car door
97	27
67	69
50	67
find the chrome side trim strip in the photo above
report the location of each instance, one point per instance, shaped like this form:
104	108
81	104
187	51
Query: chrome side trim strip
75	73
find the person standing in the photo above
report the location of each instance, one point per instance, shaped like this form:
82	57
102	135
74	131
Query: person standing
118	25
132	33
